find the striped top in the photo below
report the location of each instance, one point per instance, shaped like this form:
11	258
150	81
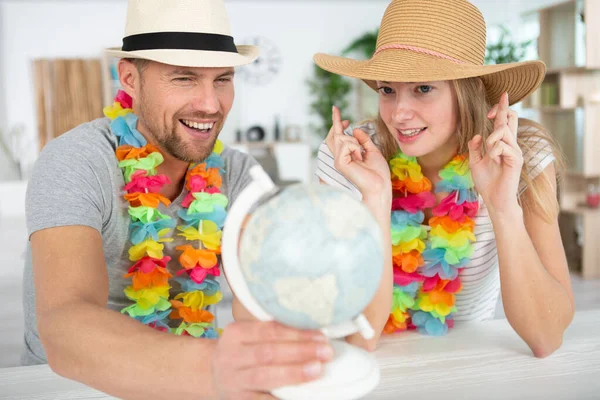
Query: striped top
481	276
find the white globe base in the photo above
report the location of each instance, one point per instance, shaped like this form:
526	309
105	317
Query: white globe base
351	374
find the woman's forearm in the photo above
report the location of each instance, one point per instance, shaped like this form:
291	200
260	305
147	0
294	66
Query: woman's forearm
117	355
536	305
378	310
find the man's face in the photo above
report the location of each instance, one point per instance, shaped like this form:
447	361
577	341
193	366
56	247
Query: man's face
183	109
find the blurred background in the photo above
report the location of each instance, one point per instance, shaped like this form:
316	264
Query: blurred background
55	76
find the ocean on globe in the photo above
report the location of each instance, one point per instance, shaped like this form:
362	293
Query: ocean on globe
312	256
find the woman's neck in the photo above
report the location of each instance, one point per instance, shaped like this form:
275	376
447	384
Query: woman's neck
432	163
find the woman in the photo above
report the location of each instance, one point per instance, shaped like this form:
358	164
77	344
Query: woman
472	188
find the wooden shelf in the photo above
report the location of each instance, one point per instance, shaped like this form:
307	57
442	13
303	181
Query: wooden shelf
567	105
581	175
580	210
548	8
570	70
264	144
553	109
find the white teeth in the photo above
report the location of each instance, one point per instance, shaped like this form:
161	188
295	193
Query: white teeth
411	132
199	125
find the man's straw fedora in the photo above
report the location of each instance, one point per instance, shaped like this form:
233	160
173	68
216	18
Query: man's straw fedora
189	33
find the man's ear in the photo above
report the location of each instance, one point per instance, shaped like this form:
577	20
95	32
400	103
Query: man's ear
129	77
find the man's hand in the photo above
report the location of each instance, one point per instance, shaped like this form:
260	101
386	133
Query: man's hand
252	358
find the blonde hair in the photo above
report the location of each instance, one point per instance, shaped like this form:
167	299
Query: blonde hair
472	120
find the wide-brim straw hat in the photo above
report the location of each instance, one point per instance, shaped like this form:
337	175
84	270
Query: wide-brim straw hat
188	33
435	40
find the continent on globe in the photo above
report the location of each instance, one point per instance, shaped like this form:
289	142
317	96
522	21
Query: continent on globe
312	256
293	292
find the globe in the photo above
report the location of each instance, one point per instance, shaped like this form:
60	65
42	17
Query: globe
312	256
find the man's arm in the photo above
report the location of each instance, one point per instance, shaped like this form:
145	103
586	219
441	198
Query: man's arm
109	351
102	348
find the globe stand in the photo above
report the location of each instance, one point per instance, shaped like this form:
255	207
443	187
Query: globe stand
353	372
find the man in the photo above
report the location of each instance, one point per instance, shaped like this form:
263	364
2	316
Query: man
177	70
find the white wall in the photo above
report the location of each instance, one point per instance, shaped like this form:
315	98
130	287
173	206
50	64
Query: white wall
2	90
73	28
7	170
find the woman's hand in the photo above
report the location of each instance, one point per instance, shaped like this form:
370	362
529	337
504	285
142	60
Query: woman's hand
497	173
359	160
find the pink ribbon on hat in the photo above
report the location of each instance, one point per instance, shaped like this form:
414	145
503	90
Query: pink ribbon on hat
418	50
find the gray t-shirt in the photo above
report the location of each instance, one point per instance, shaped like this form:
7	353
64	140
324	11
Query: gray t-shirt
76	181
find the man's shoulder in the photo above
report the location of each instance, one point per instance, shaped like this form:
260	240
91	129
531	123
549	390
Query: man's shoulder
236	159
237	166
234	154
90	138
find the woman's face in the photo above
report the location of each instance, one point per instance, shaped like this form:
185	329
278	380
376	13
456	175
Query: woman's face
421	116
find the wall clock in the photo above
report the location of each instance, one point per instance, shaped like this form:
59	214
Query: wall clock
266	67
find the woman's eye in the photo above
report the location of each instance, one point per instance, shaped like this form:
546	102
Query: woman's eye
386	90
424	89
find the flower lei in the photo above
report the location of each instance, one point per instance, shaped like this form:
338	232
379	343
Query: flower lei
427	260
203	215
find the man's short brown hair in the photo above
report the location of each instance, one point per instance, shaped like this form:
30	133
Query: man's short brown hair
140	64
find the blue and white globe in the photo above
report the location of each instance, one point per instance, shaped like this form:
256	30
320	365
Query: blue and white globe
312	256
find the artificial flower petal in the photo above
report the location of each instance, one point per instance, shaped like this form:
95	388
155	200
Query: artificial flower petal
205	202
147	164
428	324
146	214
116	110
125	128
141	182
157	278
191	257
408	262
189	315
141	231
197	330
203	217
209	233
146	199
128	152
427	260
414	202
217	215
124	99
147	264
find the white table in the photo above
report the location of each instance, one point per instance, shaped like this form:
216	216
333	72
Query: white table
477	361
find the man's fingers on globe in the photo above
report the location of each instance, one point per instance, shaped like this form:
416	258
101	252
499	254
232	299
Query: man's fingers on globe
266	378
282	353
264	396
257	332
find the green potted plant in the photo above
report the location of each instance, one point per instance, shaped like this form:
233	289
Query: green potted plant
505	50
363	45
366	100
328	90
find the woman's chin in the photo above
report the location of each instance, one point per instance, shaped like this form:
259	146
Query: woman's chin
412	149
